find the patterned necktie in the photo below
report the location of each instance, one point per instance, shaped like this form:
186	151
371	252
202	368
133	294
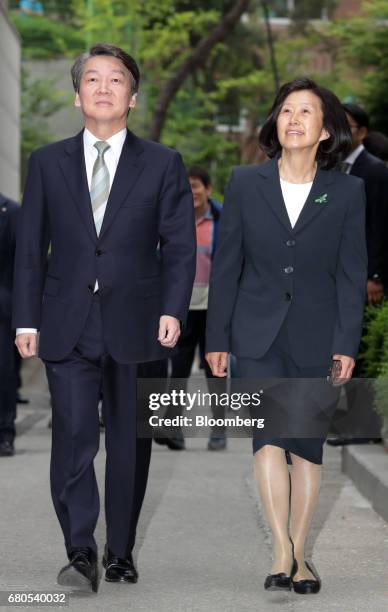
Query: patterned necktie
99	188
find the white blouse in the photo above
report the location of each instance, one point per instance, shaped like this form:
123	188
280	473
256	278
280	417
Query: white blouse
294	196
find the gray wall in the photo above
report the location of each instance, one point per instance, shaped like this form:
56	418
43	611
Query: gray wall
9	108
67	121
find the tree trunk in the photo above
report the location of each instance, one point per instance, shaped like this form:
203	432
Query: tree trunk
197	57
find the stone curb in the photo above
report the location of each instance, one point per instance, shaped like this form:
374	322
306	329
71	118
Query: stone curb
367	466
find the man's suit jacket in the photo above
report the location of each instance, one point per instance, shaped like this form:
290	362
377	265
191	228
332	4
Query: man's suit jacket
264	271
375	175
143	259
9	212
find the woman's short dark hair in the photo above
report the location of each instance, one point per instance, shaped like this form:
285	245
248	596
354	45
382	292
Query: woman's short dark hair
112	51
331	151
377	144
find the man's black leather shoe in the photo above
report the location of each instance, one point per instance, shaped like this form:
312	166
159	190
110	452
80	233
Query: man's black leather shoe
171	437
82	572
21	400
7	448
117	569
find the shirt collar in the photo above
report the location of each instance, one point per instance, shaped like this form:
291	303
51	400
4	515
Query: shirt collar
116	142
351	158
207	215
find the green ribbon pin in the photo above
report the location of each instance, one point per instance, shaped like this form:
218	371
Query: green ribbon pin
322	199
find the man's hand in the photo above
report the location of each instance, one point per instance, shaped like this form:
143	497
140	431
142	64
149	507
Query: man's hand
347	366
218	363
375	291
26	344
169	331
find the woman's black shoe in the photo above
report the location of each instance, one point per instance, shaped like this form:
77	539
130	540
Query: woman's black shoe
277	582
308	586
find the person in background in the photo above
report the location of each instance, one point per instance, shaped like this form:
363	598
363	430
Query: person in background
19	383
376	143
375	176
9	212
362	424
207	216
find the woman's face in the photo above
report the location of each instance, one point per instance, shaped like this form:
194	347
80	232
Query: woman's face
300	121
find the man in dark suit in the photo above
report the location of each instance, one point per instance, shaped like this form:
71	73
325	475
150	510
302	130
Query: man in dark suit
375	175
110	299
9	212
361	423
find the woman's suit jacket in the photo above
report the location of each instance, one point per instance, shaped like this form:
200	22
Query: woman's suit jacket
264	272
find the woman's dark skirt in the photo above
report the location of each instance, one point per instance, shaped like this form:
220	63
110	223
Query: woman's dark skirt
290	403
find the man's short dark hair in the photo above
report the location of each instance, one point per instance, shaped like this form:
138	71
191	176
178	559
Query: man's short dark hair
330	151
111	51
201	174
376	143
358	114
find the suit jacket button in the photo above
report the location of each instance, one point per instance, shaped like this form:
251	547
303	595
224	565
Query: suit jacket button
99	252
290	243
288	297
289	270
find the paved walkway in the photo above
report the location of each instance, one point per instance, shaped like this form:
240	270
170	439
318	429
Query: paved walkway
202	543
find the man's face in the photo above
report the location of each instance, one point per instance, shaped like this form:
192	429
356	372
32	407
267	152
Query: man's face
105	90
300	121
358	133
200	192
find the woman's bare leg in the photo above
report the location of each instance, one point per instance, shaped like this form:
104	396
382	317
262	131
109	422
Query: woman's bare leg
273	481
305	484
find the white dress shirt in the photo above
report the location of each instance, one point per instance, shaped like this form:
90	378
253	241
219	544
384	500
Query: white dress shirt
111	157
294	196
351	158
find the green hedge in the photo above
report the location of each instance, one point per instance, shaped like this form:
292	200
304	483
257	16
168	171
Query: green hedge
375	354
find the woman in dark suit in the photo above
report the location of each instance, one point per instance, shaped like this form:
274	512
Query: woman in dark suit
287	295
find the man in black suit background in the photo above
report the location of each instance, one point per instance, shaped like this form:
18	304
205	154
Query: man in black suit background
118	213
375	175
9	212
362	419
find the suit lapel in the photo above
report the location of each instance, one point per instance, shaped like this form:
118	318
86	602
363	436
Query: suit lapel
74	171
128	171
358	166
312	208
271	191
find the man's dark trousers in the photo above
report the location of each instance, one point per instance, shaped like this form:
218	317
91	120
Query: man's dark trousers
9	215
194	335
75	385
7	382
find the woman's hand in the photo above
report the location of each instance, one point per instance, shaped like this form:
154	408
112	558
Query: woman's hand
347	366
218	363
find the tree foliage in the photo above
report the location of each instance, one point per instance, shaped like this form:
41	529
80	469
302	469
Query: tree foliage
215	112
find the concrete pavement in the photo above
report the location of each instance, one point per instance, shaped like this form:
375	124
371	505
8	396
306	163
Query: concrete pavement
202	543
